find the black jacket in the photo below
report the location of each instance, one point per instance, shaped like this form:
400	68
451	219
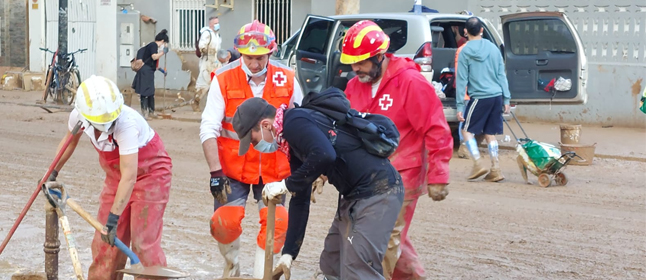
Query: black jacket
349	167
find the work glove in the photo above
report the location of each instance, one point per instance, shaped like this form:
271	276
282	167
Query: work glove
274	192
283	267
52	176
109	233
219	186
437	191
317	187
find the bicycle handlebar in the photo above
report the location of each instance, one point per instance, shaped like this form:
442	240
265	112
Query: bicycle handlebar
47	50
77	51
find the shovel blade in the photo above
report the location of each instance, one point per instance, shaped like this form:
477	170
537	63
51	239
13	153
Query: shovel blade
155	272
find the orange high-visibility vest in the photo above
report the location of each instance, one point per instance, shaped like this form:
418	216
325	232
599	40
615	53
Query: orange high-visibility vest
234	85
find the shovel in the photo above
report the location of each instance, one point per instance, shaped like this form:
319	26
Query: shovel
57	200
136	268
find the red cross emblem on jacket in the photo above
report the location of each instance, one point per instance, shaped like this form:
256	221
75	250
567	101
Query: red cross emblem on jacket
385	102
279	79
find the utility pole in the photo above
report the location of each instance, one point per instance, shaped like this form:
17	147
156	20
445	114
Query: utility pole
62	32
347	7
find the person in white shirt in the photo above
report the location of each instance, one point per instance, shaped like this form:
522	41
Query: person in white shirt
234	171
209	44
137	176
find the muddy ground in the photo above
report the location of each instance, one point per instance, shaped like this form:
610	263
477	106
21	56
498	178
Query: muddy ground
594	228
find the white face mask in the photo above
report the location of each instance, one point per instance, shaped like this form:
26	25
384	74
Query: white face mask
264	146
102	127
253	75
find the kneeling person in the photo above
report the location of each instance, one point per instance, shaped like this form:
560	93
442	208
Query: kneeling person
371	190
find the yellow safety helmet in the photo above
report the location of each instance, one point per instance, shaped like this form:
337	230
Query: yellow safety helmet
99	101
255	38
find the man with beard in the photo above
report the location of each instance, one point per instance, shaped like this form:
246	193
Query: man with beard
393	86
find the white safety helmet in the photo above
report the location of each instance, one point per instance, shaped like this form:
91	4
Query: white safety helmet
99	101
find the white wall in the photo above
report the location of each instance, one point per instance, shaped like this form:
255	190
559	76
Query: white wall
106	40
37	37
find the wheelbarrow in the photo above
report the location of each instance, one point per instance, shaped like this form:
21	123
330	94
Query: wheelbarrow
543	160
57	196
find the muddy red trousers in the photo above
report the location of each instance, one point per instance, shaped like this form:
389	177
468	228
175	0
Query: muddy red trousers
401	261
142	220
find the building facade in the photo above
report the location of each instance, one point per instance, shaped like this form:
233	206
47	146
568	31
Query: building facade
614	35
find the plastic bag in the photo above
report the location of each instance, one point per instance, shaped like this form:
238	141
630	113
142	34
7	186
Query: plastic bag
541	154
563	84
438	90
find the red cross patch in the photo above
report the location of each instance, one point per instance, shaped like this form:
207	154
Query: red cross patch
279	79
385	102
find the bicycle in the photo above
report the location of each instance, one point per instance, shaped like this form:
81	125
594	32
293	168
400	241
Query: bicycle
62	82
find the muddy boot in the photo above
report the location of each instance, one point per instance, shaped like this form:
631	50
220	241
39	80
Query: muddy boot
495	175
195	105
463	152
196	101
230	253
478	170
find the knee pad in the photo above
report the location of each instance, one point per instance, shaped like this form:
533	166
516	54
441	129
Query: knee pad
226	223
280	232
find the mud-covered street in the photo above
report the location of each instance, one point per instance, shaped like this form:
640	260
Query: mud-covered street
594	228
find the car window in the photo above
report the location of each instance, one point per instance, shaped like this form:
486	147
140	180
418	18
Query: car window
315	36
529	37
287	46
397	30
451	36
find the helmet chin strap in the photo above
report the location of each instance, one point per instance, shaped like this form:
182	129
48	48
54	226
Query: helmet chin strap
376	74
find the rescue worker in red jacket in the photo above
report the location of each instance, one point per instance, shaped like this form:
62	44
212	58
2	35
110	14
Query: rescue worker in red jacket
394	87
235	172
137	181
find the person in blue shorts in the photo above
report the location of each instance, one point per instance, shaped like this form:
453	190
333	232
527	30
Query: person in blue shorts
481	69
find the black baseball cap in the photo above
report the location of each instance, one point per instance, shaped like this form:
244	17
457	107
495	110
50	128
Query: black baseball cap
246	117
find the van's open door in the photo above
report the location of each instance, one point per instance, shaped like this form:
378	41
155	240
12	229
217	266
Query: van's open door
311	52
539	47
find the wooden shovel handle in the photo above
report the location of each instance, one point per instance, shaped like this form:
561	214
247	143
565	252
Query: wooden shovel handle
134	260
269	245
85	215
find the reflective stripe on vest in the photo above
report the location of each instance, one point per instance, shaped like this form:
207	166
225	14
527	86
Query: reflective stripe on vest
226	132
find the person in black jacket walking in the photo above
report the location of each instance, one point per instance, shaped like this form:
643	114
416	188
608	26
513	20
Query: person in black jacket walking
144	81
370	189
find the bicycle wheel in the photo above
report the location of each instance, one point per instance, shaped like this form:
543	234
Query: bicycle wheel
72	82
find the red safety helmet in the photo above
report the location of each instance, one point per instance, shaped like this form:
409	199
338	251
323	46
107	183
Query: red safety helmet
363	40
255	38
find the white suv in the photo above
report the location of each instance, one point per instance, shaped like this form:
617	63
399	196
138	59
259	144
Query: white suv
540	46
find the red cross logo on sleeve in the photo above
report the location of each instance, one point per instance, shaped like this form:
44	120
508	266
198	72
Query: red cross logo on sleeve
279	79
385	102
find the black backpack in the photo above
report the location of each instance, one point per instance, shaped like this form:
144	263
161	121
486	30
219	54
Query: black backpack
378	133
198	53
